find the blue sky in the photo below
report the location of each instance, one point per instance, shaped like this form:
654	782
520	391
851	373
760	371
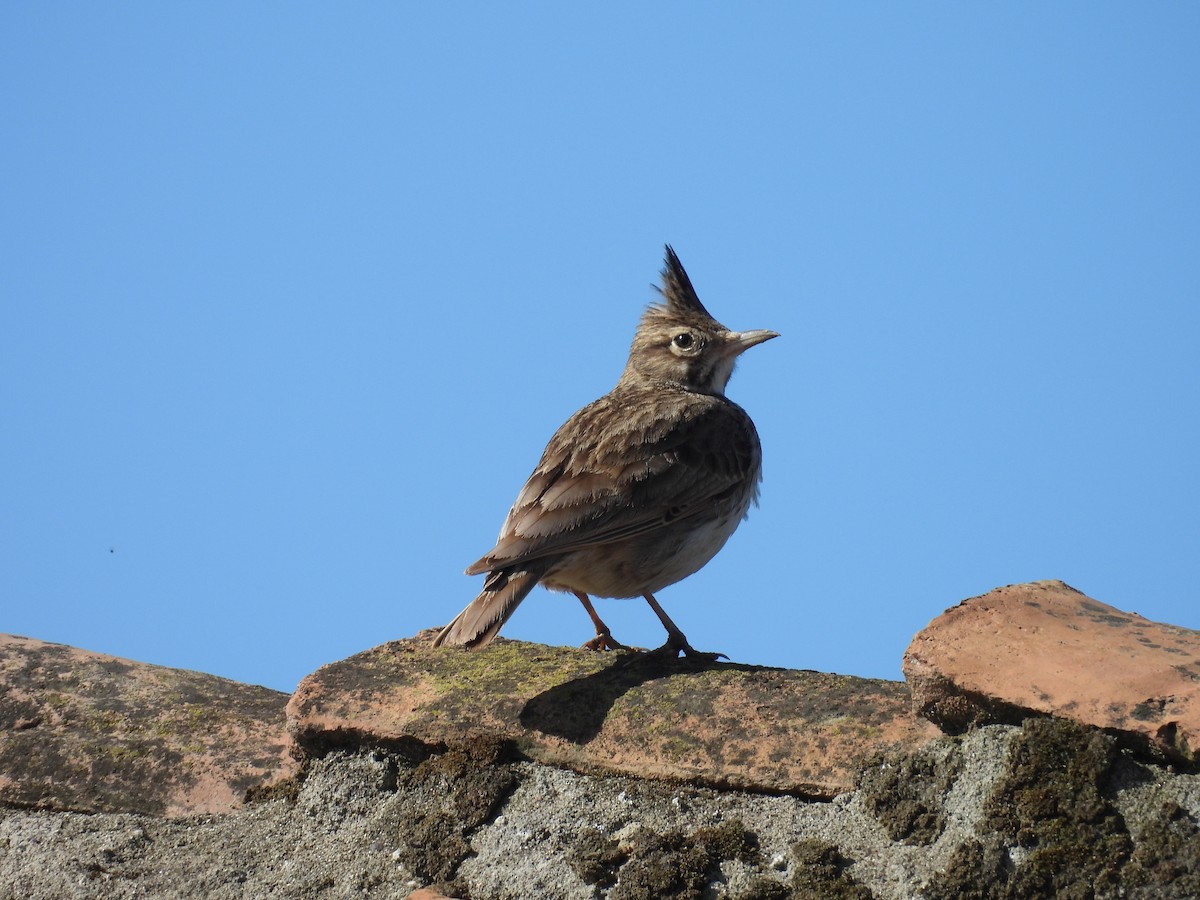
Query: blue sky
294	296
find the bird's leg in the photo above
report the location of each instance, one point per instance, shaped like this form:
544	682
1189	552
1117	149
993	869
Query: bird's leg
603	639
676	641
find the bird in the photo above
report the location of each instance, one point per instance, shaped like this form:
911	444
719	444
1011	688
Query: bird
637	490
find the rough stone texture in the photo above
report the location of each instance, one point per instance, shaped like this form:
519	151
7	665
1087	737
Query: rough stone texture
719	724
334	839
1045	648
1047	808
1050	809
94	733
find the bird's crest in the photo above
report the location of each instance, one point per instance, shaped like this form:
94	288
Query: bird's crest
677	288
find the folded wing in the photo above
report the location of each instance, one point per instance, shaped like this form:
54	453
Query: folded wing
694	462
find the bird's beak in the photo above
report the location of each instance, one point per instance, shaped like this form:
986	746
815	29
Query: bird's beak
740	341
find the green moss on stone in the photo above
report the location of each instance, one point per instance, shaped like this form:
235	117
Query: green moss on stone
766	888
821	871
1166	858
906	793
663	865
595	858
729	840
677	865
1051	830
445	799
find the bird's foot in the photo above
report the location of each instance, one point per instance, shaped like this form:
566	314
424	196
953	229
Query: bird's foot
605	641
703	655
674	646
676	641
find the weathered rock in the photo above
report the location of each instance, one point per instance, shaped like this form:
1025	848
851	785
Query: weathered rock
1046	649
94	733
717	724
1050	808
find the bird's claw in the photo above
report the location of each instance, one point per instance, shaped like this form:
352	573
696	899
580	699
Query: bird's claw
672	649
605	641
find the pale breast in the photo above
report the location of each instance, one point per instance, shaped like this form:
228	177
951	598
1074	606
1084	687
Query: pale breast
649	562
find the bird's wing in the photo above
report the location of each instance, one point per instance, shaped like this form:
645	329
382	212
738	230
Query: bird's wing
616	470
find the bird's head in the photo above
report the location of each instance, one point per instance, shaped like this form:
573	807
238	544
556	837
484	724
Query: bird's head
678	342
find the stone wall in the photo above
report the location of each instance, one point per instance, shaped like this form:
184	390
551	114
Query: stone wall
528	771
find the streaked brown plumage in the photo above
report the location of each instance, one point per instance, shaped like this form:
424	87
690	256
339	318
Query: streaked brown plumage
638	489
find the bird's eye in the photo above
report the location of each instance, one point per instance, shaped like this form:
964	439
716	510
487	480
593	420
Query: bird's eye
684	340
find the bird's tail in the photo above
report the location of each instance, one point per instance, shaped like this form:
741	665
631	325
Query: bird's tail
484	616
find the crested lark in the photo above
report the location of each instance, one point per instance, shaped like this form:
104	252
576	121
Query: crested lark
637	490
